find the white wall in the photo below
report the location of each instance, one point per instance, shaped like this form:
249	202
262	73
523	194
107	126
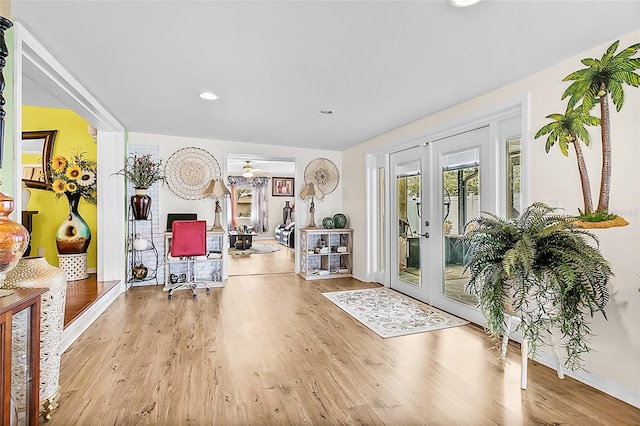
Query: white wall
171	203
615	360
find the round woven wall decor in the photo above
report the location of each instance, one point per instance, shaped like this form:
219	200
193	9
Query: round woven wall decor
189	171
322	173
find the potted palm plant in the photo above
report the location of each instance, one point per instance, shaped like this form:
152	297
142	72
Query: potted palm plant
542	268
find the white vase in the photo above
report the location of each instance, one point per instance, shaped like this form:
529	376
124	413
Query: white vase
140	243
26	196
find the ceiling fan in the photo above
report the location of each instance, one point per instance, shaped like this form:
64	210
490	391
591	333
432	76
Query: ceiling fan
249	171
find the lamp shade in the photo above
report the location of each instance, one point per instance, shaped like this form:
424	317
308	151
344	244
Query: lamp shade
310	192
216	189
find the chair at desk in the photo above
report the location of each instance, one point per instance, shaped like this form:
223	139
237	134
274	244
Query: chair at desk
188	240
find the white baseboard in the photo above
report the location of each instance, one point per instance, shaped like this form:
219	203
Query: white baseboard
77	327
595	381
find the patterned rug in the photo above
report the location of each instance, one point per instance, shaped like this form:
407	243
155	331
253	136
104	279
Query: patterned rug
390	314
255	249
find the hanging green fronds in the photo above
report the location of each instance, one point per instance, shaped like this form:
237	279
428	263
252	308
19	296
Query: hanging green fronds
543	268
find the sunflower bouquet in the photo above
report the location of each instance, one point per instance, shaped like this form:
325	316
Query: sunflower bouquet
74	176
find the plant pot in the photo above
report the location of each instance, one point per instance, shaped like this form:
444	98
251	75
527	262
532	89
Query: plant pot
141	204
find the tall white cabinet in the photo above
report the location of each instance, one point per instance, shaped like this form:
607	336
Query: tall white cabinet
325	253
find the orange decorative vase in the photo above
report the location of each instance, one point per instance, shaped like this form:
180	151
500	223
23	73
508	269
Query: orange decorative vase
14	238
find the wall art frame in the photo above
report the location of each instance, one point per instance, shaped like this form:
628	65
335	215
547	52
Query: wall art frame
282	187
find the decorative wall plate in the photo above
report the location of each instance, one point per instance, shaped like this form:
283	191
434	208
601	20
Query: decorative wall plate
189	171
322	173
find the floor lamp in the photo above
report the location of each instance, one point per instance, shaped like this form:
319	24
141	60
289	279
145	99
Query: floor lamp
310	192
217	190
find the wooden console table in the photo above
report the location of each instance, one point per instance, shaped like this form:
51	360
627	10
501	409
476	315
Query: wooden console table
10	305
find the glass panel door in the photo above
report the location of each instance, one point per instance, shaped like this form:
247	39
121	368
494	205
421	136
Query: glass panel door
461	203
408	223
462	180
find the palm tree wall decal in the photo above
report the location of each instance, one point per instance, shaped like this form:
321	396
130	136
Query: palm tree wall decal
594	84
570	129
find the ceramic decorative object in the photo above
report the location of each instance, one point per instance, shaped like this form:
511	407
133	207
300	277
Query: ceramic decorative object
35	272
328	223
140	243
14	238
286	213
340	220
141	204
73	235
140	271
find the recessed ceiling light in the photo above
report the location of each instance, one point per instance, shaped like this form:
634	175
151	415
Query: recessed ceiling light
463	3
326	112
209	96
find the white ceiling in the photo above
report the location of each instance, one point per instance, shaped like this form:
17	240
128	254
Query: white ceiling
378	65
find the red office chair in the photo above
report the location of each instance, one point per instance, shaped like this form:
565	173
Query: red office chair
188	240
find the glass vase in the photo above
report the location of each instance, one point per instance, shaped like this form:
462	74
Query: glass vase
14	238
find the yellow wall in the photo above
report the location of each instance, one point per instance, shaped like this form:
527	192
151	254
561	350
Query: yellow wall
72	133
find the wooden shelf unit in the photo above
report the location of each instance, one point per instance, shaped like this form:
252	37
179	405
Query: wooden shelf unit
325	253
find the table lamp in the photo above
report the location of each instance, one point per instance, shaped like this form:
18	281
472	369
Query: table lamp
310	192
217	190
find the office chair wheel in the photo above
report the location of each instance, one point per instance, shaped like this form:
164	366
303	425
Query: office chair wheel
195	296
208	291
170	296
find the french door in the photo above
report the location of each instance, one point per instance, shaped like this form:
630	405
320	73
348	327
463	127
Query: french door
463	185
409	222
437	189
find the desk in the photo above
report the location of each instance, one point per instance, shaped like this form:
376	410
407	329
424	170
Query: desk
208	268
10	305
241	241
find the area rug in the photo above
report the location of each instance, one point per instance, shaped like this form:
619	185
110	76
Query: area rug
255	249
390	314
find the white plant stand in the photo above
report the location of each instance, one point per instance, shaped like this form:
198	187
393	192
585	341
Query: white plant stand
524	349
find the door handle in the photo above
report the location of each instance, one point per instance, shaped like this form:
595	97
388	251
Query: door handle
426	235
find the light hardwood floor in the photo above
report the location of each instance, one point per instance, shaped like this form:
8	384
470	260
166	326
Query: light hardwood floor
278	262
270	349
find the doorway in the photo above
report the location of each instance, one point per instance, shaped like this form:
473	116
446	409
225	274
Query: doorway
436	189
256	208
